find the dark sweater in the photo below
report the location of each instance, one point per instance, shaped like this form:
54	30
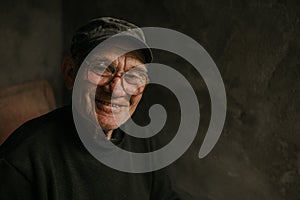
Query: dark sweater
45	159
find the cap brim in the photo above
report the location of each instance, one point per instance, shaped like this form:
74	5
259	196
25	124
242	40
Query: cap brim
138	45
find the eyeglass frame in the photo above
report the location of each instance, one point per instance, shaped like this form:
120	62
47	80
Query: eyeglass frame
88	66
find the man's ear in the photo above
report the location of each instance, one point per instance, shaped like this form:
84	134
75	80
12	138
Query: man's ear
68	70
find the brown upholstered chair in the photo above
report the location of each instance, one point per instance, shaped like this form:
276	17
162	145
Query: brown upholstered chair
21	103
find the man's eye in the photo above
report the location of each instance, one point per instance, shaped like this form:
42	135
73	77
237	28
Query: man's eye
131	76
99	70
136	77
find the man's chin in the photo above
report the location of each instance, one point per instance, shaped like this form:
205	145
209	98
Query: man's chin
108	121
107	126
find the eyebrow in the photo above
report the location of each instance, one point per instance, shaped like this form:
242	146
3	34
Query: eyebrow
140	67
102	59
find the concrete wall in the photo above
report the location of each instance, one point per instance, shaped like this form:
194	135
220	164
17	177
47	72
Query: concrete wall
31	43
256	46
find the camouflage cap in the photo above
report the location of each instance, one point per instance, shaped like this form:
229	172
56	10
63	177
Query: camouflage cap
97	30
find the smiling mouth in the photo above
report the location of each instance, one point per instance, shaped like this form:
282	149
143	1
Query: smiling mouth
113	105
109	104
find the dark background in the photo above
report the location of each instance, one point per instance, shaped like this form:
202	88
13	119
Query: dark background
255	45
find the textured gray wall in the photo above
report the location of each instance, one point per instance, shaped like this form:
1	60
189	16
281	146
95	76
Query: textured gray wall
256	47
254	43
31	43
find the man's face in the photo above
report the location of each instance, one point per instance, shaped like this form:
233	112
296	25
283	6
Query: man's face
113	105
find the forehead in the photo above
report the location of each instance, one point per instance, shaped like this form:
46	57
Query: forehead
118	57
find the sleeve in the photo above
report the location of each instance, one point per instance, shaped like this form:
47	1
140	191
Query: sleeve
13	184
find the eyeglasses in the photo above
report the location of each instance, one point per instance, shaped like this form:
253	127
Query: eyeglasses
133	81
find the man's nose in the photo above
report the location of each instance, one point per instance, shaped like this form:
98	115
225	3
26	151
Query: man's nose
115	86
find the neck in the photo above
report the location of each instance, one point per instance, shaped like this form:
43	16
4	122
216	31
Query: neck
108	134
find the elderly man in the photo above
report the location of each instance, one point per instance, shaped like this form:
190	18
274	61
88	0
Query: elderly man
45	158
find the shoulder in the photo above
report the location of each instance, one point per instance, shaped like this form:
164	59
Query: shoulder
38	131
35	144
